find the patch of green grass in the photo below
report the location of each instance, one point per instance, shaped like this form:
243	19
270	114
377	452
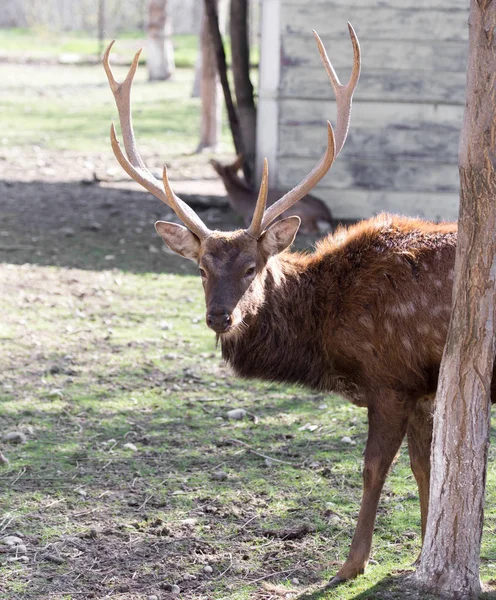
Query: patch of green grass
38	43
93	361
71	108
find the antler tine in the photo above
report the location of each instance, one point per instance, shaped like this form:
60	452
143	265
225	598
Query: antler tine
255	227
344	94
304	186
132	163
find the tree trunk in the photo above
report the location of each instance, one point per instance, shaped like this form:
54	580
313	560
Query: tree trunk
210	91
220	56
101	28
247	112
160	58
449	561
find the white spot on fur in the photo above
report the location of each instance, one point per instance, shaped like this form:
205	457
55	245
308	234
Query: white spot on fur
423	329
366	321
368	347
406	343
451	274
405	310
438	283
388	327
437	310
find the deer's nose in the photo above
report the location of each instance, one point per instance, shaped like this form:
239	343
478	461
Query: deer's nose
219	321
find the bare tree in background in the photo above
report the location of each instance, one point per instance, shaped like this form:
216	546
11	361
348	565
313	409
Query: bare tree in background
101	27
160	57
211	11
243	87
210	91
450	556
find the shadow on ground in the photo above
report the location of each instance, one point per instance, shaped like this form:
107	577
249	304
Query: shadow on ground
396	587
91	225
88	225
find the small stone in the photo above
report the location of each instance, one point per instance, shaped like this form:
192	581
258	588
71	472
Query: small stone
131	446
236	414
347	440
22	558
109	257
94	226
15	437
175	590
68	231
20	549
295	581
152	597
165	326
208	569
11	540
55	393
308	427
153	249
188	577
219	475
82	493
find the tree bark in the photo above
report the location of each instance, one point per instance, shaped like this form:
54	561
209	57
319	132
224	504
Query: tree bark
247	112
101	28
220	56
160	58
210	92
449	562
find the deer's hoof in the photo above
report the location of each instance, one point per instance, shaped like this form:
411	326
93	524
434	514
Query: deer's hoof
335	581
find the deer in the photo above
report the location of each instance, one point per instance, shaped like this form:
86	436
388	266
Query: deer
314	214
365	315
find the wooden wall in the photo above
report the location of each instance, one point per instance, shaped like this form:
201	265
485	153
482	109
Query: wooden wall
401	153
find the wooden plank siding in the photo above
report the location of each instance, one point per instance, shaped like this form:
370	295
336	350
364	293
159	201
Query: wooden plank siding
401	153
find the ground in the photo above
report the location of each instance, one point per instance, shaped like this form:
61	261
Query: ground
127	475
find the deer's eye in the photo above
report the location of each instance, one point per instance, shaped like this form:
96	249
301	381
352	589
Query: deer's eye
250	272
203	273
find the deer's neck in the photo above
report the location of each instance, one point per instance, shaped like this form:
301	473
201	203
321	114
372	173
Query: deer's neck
281	341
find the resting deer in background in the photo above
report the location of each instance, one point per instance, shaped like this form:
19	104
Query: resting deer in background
365	315
314	214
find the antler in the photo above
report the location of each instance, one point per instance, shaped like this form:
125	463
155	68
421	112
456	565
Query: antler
344	95
132	163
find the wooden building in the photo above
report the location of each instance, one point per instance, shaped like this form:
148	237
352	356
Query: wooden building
401	153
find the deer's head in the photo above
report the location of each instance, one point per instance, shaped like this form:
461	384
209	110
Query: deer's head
232	265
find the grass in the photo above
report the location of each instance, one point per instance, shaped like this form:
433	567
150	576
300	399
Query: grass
39	43
95	360
70	108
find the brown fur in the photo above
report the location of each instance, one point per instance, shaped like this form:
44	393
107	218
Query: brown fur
242	199
365	315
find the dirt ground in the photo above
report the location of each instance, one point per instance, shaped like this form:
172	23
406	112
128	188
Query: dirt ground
73	210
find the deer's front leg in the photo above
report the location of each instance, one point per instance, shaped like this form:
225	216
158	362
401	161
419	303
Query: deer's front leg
387	426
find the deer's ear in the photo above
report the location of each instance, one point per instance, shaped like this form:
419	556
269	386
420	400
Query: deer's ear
179	239
279	236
